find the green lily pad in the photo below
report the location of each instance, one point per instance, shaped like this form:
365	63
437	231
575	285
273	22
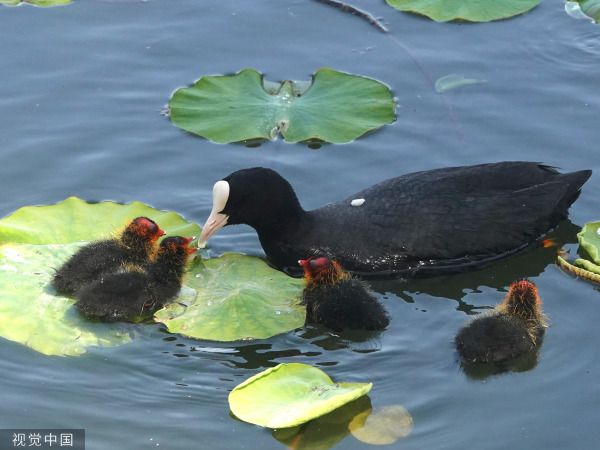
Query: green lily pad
469	10
36	240
383	426
337	107
43	3
589	239
588	265
290	394
584	9
236	297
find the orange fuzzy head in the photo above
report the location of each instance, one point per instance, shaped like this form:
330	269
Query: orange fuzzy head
523	291
177	245
524	301
145	228
322	270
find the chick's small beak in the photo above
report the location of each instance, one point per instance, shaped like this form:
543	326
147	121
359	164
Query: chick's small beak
188	241
160	232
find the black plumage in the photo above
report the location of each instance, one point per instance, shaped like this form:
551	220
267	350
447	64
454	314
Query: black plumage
513	329
135	293
134	246
419	224
338	301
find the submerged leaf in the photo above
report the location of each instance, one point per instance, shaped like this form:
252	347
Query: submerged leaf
470	10
323	432
34	242
337	107
382	426
453	81
291	394
237	297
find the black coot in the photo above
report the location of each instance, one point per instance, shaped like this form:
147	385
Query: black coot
136	292
424	223
134	246
514	328
337	300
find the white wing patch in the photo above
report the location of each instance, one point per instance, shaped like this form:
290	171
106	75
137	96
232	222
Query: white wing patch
357	202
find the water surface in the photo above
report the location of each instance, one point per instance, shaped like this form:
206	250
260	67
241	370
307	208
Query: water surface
81	96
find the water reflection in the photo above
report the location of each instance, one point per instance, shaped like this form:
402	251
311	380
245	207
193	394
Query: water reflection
529	264
523	363
361	341
326	431
309	344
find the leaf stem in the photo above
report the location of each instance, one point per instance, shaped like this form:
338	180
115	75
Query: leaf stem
357	12
578	271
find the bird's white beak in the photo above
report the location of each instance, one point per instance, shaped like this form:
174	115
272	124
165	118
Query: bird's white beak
216	219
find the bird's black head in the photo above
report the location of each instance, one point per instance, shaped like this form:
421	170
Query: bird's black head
258	197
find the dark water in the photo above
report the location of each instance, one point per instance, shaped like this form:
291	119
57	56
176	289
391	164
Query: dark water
80	100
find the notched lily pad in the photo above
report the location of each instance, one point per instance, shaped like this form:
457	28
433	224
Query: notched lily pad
469	10
584	9
237	297
36	240
382	426
336	107
43	3
291	394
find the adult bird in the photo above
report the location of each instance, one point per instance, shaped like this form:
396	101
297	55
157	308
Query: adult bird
420	224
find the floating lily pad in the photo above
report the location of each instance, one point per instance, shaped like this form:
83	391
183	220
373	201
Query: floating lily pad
589	239
337	107
237	297
35	2
470	10
584	9
36	240
291	394
588	265
453	81
382	426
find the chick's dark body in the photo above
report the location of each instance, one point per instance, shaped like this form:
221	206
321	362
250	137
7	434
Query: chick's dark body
346	304
496	337
93	261
133	294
